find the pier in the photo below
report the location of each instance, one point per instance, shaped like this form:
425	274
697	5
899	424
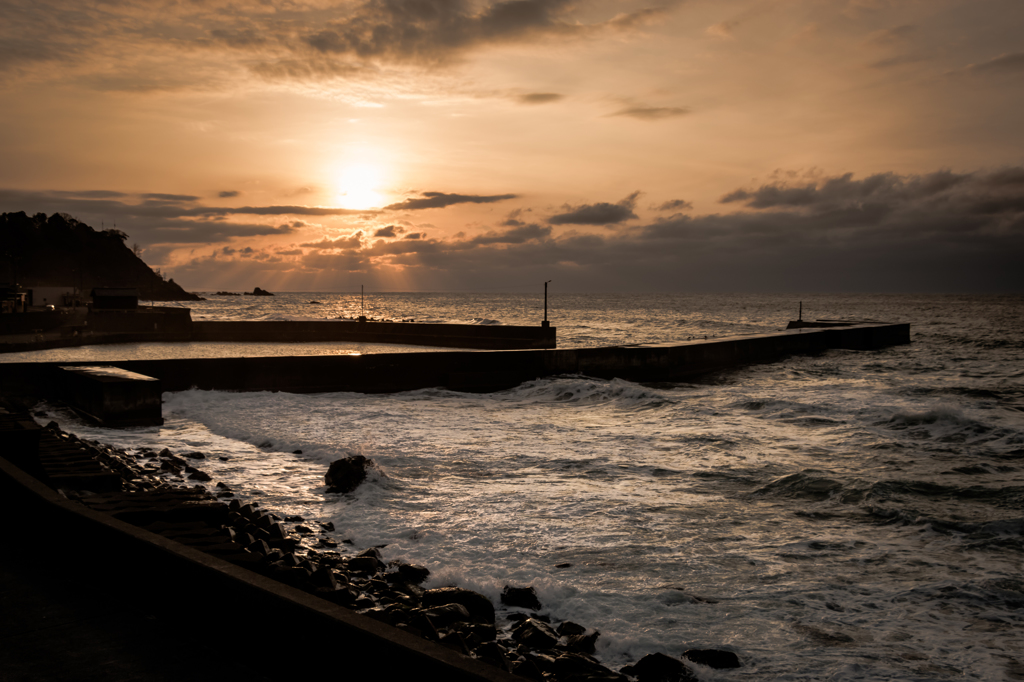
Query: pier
476	371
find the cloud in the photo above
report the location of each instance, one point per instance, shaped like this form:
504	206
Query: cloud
598	214
1004	64
169	198
352	241
516	235
389	231
436	31
441	200
228	194
892	36
154	218
676	205
540	98
651	113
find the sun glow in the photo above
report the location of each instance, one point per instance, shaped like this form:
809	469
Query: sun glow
358	186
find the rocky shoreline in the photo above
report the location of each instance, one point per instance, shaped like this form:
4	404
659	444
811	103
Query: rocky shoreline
164	492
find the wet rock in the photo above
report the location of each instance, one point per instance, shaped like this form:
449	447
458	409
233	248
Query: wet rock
491	652
259	546
364	564
535	634
455	642
324	578
329	526
586	644
582	667
523	597
659	668
569	629
480	607
304	530
413	573
193	455
447	615
713	658
197	475
527	669
478	633
344	475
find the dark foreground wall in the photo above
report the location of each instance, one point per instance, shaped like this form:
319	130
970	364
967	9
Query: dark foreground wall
477	371
290	634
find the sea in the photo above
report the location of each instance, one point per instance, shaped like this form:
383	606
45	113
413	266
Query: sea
852	515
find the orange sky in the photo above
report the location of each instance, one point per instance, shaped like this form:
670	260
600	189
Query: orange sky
616	145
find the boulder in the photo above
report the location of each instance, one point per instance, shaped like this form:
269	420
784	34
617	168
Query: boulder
535	634
344	475
713	658
260	292
524	597
413	573
480	607
447	614
659	668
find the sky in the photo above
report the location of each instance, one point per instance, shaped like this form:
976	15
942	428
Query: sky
458	145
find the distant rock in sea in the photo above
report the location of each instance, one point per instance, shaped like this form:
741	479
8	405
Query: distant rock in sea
260	292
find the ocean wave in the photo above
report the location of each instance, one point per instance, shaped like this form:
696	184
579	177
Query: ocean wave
581	390
803	485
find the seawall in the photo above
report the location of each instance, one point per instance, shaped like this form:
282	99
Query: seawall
40	330
477	371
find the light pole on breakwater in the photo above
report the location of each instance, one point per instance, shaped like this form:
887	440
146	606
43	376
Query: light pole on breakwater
545	323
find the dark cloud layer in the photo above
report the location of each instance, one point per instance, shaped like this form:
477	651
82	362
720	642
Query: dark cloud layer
158	218
435	31
937	232
675	205
651	113
598	214
441	200
540	98
1007	63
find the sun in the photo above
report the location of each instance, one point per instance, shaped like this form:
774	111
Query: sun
358	186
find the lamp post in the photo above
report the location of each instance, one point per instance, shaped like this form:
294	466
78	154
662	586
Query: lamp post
545	323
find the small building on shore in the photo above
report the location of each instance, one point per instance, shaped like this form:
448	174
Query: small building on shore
12	299
59	297
115	299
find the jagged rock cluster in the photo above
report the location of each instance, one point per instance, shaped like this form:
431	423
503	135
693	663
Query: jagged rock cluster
300	553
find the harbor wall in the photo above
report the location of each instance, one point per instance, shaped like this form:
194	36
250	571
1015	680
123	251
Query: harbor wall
40	330
492	337
477	371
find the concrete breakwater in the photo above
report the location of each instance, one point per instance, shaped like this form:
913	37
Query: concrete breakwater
477	371
41	330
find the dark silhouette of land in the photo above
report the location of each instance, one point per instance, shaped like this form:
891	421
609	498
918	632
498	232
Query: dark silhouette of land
36	251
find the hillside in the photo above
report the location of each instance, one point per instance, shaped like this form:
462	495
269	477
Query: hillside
61	251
